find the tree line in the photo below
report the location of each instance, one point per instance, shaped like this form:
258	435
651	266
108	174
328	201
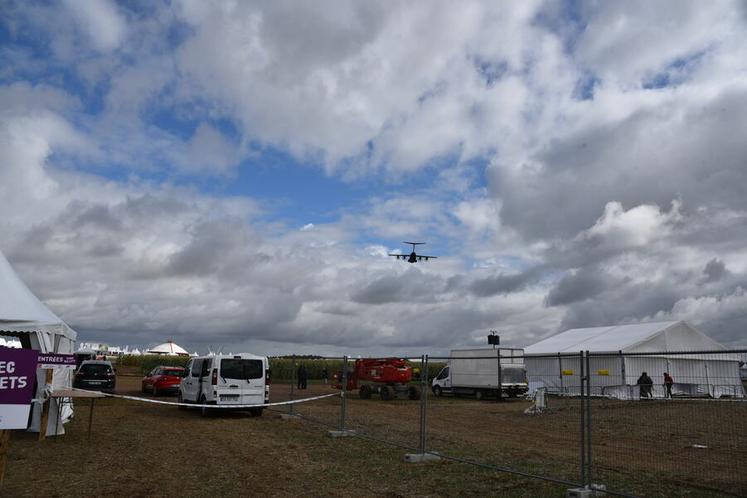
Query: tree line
281	368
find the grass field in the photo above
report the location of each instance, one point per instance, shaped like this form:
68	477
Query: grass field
140	449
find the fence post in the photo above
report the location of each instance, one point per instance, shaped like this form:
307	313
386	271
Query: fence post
293	383
421	456
582	431
560	373
423	399
500	377
588	420
343	394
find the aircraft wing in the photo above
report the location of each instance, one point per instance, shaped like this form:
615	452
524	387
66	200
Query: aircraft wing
419	257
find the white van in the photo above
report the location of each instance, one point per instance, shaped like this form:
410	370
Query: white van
241	379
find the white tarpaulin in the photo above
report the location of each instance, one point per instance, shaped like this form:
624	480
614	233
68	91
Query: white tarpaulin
23	316
618	367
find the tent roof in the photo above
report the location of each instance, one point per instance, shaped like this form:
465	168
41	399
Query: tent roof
21	310
656	336
169	348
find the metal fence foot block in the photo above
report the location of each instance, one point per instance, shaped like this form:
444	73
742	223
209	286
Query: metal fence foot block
578	493
593	491
345	433
290	416
421	457
599	490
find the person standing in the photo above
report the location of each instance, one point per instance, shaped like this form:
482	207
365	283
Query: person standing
325	375
302	376
645	384
668	381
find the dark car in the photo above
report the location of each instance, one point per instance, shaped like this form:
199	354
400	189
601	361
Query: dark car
95	374
162	380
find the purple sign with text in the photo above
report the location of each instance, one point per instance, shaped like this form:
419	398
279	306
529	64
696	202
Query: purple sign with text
56	360
17	374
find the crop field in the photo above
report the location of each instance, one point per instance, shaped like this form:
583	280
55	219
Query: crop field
141	449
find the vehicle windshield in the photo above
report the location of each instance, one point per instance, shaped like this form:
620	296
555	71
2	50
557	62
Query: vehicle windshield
234	368
174	372
95	369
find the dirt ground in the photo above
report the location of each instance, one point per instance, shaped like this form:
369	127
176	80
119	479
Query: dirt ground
140	449
649	448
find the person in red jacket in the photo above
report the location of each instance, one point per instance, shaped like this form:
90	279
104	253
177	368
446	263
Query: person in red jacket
668	381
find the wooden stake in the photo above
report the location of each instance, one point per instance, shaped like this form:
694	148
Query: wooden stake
90	420
45	408
4	445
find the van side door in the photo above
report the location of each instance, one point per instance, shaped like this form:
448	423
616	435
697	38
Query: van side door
191	383
184	383
206	387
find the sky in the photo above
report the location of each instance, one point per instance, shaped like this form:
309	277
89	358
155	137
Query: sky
233	174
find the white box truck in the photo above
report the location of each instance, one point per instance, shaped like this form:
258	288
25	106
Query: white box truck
483	372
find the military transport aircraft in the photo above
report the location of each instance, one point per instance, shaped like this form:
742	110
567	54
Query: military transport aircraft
412	257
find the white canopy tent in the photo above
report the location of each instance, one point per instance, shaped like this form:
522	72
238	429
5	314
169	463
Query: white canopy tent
23	316
168	348
553	363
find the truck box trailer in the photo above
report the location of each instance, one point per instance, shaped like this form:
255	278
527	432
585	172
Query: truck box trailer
498	372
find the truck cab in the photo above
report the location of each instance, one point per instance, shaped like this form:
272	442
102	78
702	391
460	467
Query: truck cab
241	379
442	382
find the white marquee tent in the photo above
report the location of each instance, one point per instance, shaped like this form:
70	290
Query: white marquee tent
553	363
26	318
169	349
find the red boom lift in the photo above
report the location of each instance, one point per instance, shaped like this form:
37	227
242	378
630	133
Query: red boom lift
389	377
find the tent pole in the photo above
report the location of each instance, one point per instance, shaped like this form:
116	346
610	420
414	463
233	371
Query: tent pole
45	407
90	420
57	418
4	445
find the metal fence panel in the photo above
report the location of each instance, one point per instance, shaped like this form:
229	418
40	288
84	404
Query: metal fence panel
506	434
652	440
592	420
393	419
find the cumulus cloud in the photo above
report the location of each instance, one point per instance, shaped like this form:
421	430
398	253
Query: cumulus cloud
586	283
636	227
504	283
478	215
209	150
100	20
409	287
722	314
390	88
714	270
